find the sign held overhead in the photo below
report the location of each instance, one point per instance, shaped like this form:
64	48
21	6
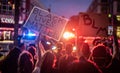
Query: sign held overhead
46	23
93	24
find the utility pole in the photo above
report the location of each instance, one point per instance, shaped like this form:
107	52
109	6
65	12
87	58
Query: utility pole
115	39
16	25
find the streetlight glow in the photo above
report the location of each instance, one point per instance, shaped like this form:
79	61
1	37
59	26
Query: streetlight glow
68	35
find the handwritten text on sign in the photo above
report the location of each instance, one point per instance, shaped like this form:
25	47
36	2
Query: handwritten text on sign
46	23
93	24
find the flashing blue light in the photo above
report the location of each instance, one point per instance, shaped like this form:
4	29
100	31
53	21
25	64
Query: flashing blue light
29	36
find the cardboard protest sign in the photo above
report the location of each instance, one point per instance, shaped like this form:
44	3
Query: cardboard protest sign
44	22
93	24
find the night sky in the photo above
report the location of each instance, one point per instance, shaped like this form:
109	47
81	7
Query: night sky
67	8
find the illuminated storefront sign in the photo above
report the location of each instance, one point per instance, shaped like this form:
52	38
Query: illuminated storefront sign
6	35
118	32
7	20
118	17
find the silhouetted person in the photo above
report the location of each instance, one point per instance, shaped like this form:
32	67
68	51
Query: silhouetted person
48	63
32	50
69	49
83	66
58	54
85	50
66	59
25	62
102	56
22	46
10	63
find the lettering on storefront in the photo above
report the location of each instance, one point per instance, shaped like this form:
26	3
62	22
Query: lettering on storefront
7	20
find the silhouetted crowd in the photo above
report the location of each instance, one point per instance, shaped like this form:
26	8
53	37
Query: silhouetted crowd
38	59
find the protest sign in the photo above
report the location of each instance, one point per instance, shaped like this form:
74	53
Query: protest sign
44	22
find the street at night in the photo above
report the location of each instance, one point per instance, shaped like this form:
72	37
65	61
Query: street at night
59	36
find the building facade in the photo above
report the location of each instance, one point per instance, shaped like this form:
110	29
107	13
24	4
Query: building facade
105	7
7	14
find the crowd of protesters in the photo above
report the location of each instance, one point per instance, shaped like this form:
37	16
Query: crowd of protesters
39	59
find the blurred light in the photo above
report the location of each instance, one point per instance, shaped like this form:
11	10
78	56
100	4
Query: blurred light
29	36
7	28
20	22
85	41
109	15
73	29
9	3
118	17
74	48
118	32
48	43
54	48
68	35
24	34
13	6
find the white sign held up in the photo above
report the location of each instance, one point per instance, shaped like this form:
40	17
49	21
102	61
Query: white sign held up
46	23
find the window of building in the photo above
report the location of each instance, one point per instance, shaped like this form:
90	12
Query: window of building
6	34
118	7
104	1
10	7
118	32
6	8
104	9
